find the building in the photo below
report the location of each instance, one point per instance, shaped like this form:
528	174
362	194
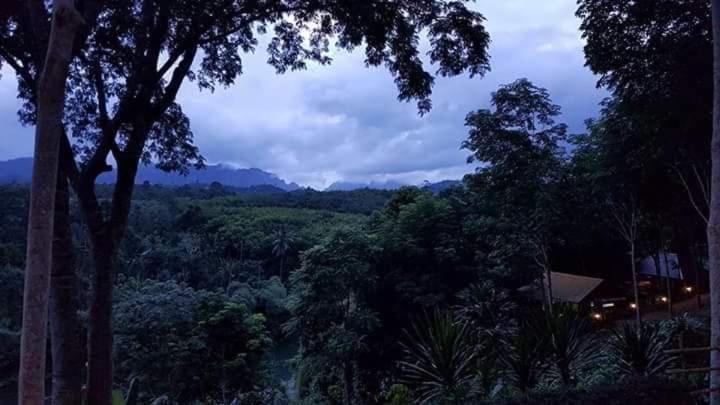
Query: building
668	266
567	288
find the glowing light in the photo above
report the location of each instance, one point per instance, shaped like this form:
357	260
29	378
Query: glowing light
597	316
688	289
608	305
663	299
633	305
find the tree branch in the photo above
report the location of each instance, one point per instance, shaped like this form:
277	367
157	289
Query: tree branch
39	22
691	197
67	160
19	68
704	187
101	96
262	15
171	90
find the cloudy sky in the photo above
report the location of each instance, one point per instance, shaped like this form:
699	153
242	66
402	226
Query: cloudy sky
343	122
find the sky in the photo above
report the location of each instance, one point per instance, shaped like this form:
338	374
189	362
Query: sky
343	122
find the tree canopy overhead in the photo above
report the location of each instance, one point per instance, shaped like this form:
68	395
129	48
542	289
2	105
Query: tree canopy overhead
656	59
129	68
130	64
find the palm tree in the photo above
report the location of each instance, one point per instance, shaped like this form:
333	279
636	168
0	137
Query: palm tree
282	242
524	356
439	362
640	351
571	343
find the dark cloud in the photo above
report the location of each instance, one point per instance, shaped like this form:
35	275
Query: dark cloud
344	121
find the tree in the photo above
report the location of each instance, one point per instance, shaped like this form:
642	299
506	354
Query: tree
525	354
626	218
330	313
672	117
439	360
66	329
282	243
491	316
187	344
573	348
50	109
25	51
128	73
640	350
519	142
664	122
713	226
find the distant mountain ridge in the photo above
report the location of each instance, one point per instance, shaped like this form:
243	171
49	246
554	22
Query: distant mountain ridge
374	185
250	180
20	171
392	185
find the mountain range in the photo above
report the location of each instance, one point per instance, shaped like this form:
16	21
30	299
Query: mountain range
376	185
20	171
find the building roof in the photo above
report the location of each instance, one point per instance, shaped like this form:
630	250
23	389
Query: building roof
572	288
671	269
567	287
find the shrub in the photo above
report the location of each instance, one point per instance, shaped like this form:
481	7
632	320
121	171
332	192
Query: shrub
640	352
632	391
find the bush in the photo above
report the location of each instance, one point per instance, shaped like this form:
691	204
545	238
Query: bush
11	287
637	392
188	344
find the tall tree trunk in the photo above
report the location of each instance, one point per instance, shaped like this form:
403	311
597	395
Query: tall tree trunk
100	364
50	106
65	330
105	241
635	286
713	228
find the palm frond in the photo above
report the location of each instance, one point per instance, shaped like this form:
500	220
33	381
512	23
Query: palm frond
439	359
641	351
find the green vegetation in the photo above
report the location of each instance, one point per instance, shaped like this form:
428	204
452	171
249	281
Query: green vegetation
216	295
416	302
383	297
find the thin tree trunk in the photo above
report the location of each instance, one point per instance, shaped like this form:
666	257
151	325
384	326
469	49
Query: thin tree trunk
100	365
635	286
698	286
542	260
658	271
65	330
50	106
713	228
668	285
543	292
549	287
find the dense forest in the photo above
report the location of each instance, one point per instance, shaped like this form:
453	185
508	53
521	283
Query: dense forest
136	293
374	296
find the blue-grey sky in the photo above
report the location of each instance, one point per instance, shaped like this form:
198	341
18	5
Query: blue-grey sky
343	122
